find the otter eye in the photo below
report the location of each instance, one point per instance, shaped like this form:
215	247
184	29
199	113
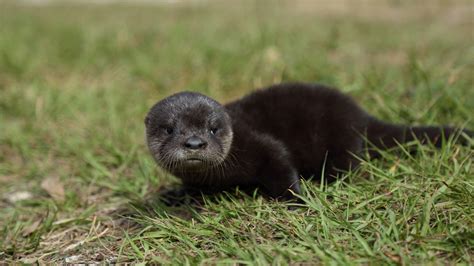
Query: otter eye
213	130
168	130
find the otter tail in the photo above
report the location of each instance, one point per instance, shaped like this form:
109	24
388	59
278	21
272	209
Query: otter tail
385	135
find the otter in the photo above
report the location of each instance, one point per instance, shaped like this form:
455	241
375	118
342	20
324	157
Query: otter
272	137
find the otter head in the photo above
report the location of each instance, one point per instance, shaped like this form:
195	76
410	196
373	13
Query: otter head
188	132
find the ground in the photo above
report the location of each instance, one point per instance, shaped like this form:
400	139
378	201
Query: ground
77	183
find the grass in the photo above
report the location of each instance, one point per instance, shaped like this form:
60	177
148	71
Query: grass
77	182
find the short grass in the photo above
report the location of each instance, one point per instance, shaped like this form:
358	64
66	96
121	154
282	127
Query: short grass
76	178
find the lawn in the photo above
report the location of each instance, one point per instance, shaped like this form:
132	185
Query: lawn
77	183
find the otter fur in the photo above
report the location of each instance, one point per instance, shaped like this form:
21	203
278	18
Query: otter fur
272	137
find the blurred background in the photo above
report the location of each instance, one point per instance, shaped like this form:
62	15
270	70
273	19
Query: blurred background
77	78
93	68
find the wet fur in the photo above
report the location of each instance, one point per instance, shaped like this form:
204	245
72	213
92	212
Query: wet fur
294	130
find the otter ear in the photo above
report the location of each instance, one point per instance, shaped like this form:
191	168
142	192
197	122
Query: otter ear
147	120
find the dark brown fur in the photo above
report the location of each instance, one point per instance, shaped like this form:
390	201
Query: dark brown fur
280	134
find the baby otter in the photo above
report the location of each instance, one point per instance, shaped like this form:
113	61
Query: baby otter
271	137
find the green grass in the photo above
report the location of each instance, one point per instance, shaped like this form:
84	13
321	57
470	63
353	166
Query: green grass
76	82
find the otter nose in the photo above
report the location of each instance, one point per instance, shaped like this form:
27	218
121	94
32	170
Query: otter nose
195	143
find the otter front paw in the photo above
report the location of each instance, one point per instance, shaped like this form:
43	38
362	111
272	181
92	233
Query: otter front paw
179	196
